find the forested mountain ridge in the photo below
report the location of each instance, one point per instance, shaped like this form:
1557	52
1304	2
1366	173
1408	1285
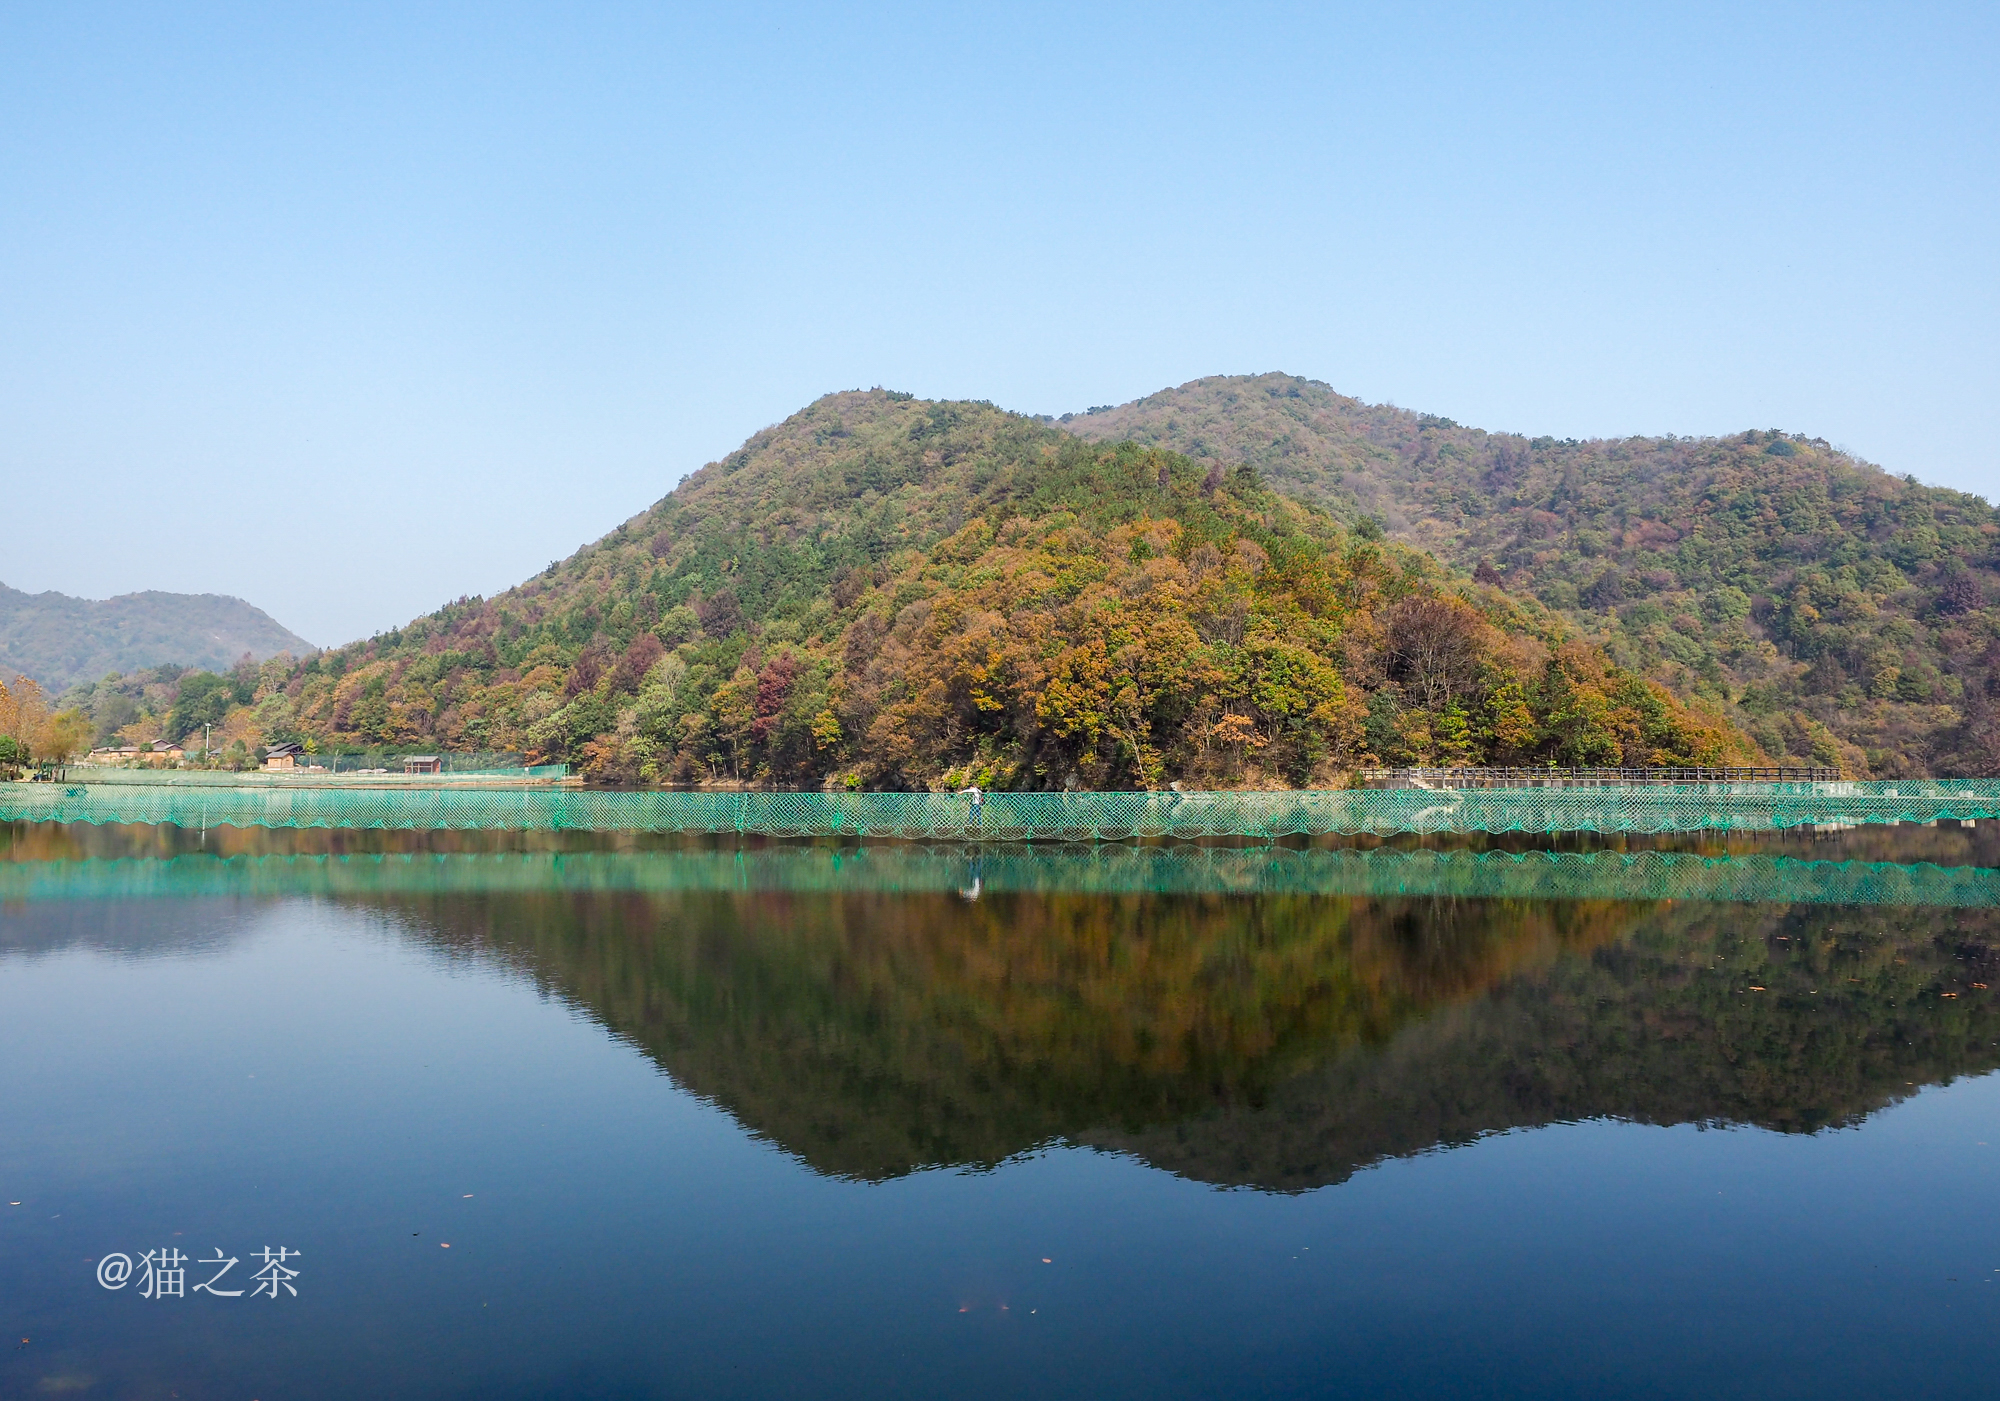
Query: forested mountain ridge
884	592
1838	610
58	640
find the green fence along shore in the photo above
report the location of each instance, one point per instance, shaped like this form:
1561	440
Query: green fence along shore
1009	817
975	872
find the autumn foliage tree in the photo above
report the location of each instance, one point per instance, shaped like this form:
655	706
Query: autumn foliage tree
35	732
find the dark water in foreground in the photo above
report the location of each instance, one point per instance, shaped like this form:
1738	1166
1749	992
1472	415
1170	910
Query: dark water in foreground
725	1133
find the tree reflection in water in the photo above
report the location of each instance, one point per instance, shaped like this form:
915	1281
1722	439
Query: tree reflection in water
1279	1042
1247	1038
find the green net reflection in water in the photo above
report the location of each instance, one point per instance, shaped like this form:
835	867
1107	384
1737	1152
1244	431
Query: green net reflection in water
975	872
1002	817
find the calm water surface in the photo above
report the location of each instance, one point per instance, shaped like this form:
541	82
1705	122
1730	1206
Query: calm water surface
555	1119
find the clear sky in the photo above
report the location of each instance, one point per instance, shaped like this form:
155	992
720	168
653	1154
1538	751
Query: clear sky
349	310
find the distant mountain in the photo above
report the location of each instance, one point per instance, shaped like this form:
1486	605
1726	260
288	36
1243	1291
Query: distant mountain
882	592
1838	610
59	640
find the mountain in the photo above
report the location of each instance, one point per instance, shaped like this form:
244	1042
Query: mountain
884	592
59	641
1836	611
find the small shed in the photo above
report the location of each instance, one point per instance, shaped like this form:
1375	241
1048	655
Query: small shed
423	763
281	756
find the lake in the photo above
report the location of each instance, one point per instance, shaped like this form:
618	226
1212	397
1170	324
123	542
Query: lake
560	1116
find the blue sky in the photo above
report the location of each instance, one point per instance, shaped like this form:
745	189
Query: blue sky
350	310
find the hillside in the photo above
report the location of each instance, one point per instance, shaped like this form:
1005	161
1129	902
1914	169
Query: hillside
59	640
887	593
1833	607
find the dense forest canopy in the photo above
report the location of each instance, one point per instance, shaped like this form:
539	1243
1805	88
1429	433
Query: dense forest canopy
1824	602
886	593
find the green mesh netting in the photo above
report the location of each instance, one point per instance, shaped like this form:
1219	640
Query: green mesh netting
1742	807
974	872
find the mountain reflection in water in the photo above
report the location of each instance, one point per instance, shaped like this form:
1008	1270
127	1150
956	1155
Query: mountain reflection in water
1278	1042
1275	1039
